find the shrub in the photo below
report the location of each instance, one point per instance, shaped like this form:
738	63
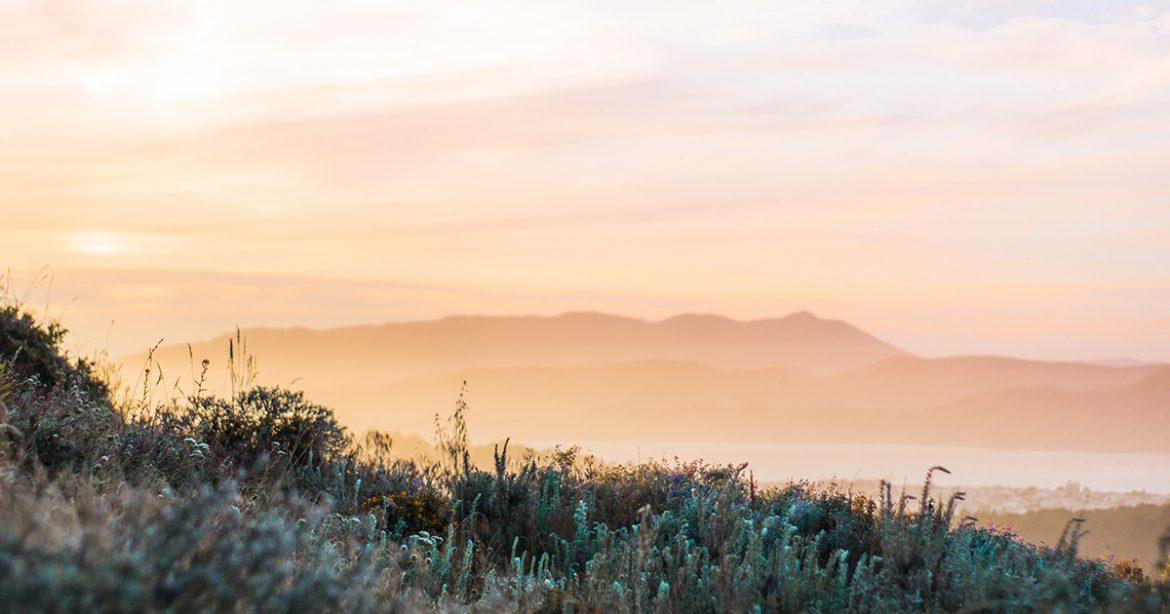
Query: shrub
412	512
263	421
62	428
31	350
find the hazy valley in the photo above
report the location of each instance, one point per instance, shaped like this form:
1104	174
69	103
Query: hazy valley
796	379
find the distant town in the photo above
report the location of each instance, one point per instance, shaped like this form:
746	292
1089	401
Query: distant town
1004	499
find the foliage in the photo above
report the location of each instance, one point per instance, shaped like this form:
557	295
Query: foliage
1127	532
31	350
412	512
262	502
263	421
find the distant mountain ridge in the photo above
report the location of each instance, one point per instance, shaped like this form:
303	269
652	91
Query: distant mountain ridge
799	340
697	378
688	401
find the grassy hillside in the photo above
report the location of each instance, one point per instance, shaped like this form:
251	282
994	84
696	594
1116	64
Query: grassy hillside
1129	532
261	501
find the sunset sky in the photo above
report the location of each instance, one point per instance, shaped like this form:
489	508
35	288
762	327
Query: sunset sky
954	177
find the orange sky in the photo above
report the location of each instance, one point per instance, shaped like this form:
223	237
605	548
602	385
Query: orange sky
955	177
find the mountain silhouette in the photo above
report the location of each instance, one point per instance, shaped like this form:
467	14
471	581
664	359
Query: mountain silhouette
696	378
357	354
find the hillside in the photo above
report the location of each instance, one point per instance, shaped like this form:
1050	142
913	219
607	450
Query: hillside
694	378
695	402
359	354
909	382
1130	418
1129	532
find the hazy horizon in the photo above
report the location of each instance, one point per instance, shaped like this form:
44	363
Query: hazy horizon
103	329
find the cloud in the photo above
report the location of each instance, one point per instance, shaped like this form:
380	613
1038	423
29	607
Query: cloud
63	31
845	31
989	14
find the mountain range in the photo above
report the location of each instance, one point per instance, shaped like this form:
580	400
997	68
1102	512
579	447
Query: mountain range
697	378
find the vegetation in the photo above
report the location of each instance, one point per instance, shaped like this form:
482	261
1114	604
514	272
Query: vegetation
1132	532
263	502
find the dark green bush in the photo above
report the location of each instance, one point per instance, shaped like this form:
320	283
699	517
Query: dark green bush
260	422
63	428
31	350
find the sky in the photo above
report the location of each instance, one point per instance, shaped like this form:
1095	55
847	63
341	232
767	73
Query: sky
954	177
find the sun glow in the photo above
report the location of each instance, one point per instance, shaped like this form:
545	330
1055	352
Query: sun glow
98	244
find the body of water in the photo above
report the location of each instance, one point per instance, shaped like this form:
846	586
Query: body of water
900	464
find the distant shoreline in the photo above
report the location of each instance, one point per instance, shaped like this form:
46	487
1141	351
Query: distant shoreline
970	466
